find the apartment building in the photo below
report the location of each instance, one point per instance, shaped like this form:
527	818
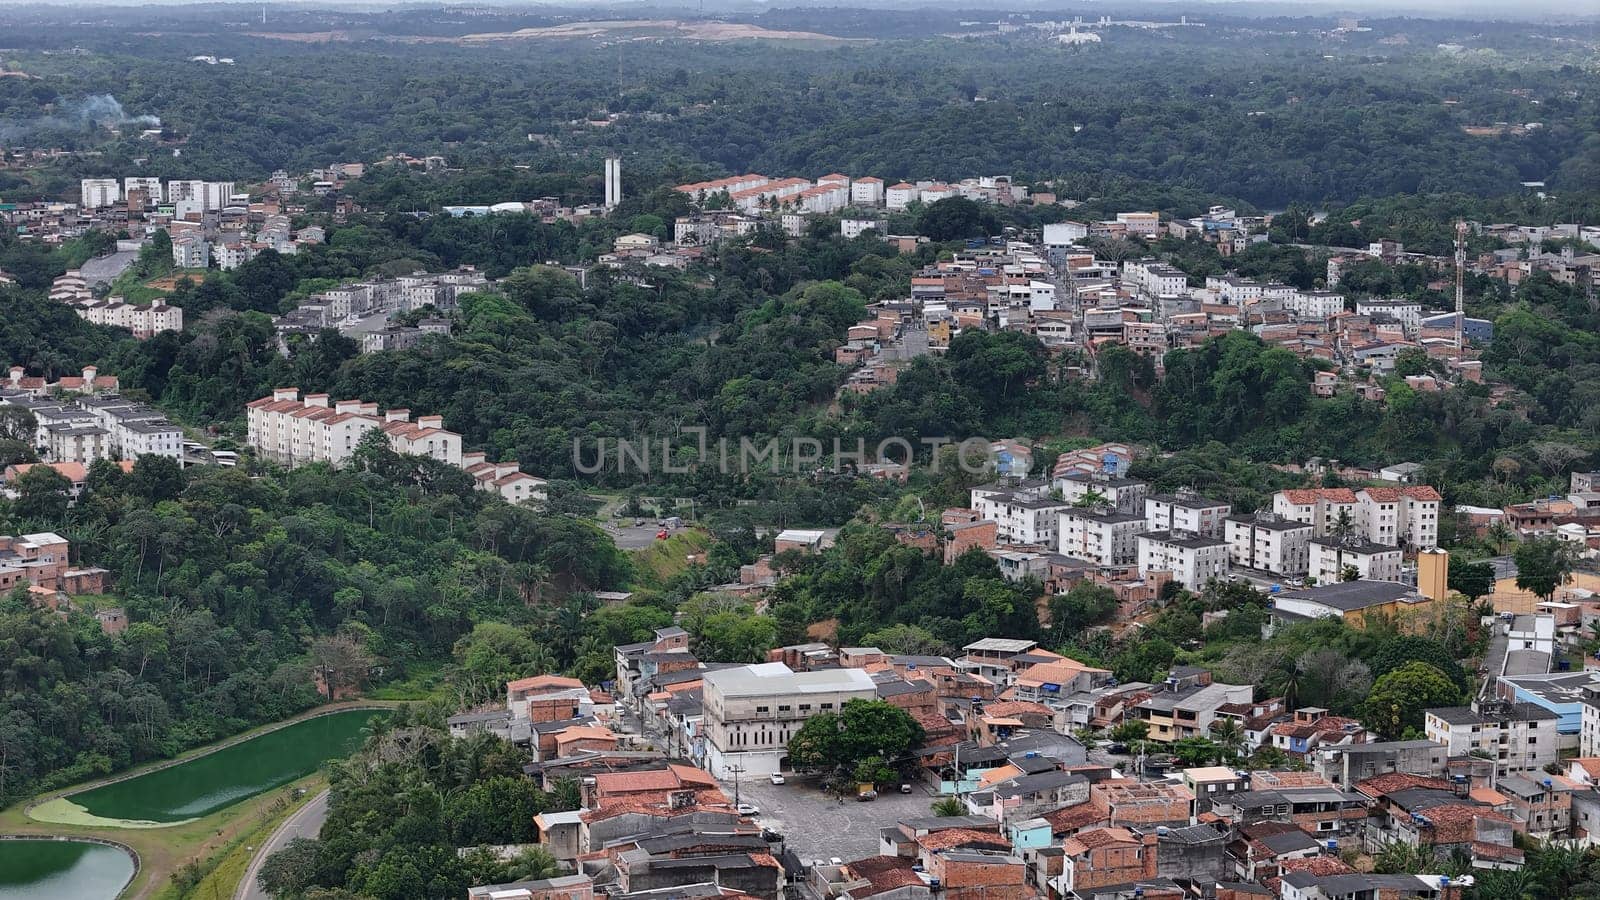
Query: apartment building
1026	515
143	321
1314	305
751	712
1519	737
43	560
867	191
295	431
900	196
1324	509
1399	516
1125	495
1144	224
151	187
1103	537
1193	559
1267	542
1185	511
99	193
1372	562
190	251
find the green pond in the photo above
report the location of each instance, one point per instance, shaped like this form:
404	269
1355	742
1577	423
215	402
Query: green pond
205	784
54	870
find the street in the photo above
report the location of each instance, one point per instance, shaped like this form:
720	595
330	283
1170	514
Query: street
306	822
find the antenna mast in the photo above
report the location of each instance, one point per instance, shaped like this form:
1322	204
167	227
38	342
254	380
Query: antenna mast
1461	268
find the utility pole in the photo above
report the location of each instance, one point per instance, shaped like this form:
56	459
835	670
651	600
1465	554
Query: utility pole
737	770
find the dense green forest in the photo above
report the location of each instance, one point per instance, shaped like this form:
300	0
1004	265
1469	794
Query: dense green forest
1320	119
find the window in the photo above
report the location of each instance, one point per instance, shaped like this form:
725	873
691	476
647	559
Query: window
762	709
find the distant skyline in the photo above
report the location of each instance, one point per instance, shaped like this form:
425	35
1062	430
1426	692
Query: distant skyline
1487	10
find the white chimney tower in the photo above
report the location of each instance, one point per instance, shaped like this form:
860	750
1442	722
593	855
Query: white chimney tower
613	181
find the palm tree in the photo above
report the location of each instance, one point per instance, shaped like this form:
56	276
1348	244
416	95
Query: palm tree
1342	525
1501	535
1091	499
949	806
1229	735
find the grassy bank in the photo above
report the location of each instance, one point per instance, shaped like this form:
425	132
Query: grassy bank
164	851
220	873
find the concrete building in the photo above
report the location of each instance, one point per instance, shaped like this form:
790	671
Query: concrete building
751	712
1347	764
1125	495
867	191
1519	737
1267	542
613	182
1192	559
190	251
1185	511
1399	516
99	193
1103	537
1326	510
1372	562
293	431
1352	601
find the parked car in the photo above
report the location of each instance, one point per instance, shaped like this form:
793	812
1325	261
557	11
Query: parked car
777	778
905	788
748	809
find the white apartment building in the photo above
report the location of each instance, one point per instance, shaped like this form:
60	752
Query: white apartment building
867	191
1520	737
99	193
1236	289
1105	538
150	186
190	251
1122	494
1185	511
1314	304
1372	562
293	431
1318	507
751	712
851	229
1268	543
231	256
1061	235
1022	518
900	196
143	321
1192	559
148	437
1406	312
1399	517
1152	278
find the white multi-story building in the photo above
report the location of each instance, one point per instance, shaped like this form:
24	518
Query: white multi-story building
293	431
1061	235
1021	517
1152	278
1519	737
1235	289
190	251
150	186
900	196
145	321
1185	511
1399	517
232	256
1105	538
867	191
99	193
1324	509
1316	305
1192	559
1122	494
1372	562
751	712
1406	312
1269	543
850	229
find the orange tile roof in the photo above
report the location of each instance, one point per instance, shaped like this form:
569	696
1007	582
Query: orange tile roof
1312	495
1380	785
1072	818
961	837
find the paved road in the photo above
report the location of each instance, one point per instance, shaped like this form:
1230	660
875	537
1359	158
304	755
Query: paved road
306	822
815	825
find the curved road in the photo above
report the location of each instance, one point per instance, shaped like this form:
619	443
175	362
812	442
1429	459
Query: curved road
306	822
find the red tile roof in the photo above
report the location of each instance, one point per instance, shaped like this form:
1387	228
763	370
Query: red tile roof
1310	496
1380	785
961	837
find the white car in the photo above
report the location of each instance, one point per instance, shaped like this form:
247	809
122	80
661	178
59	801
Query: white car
747	809
777	778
